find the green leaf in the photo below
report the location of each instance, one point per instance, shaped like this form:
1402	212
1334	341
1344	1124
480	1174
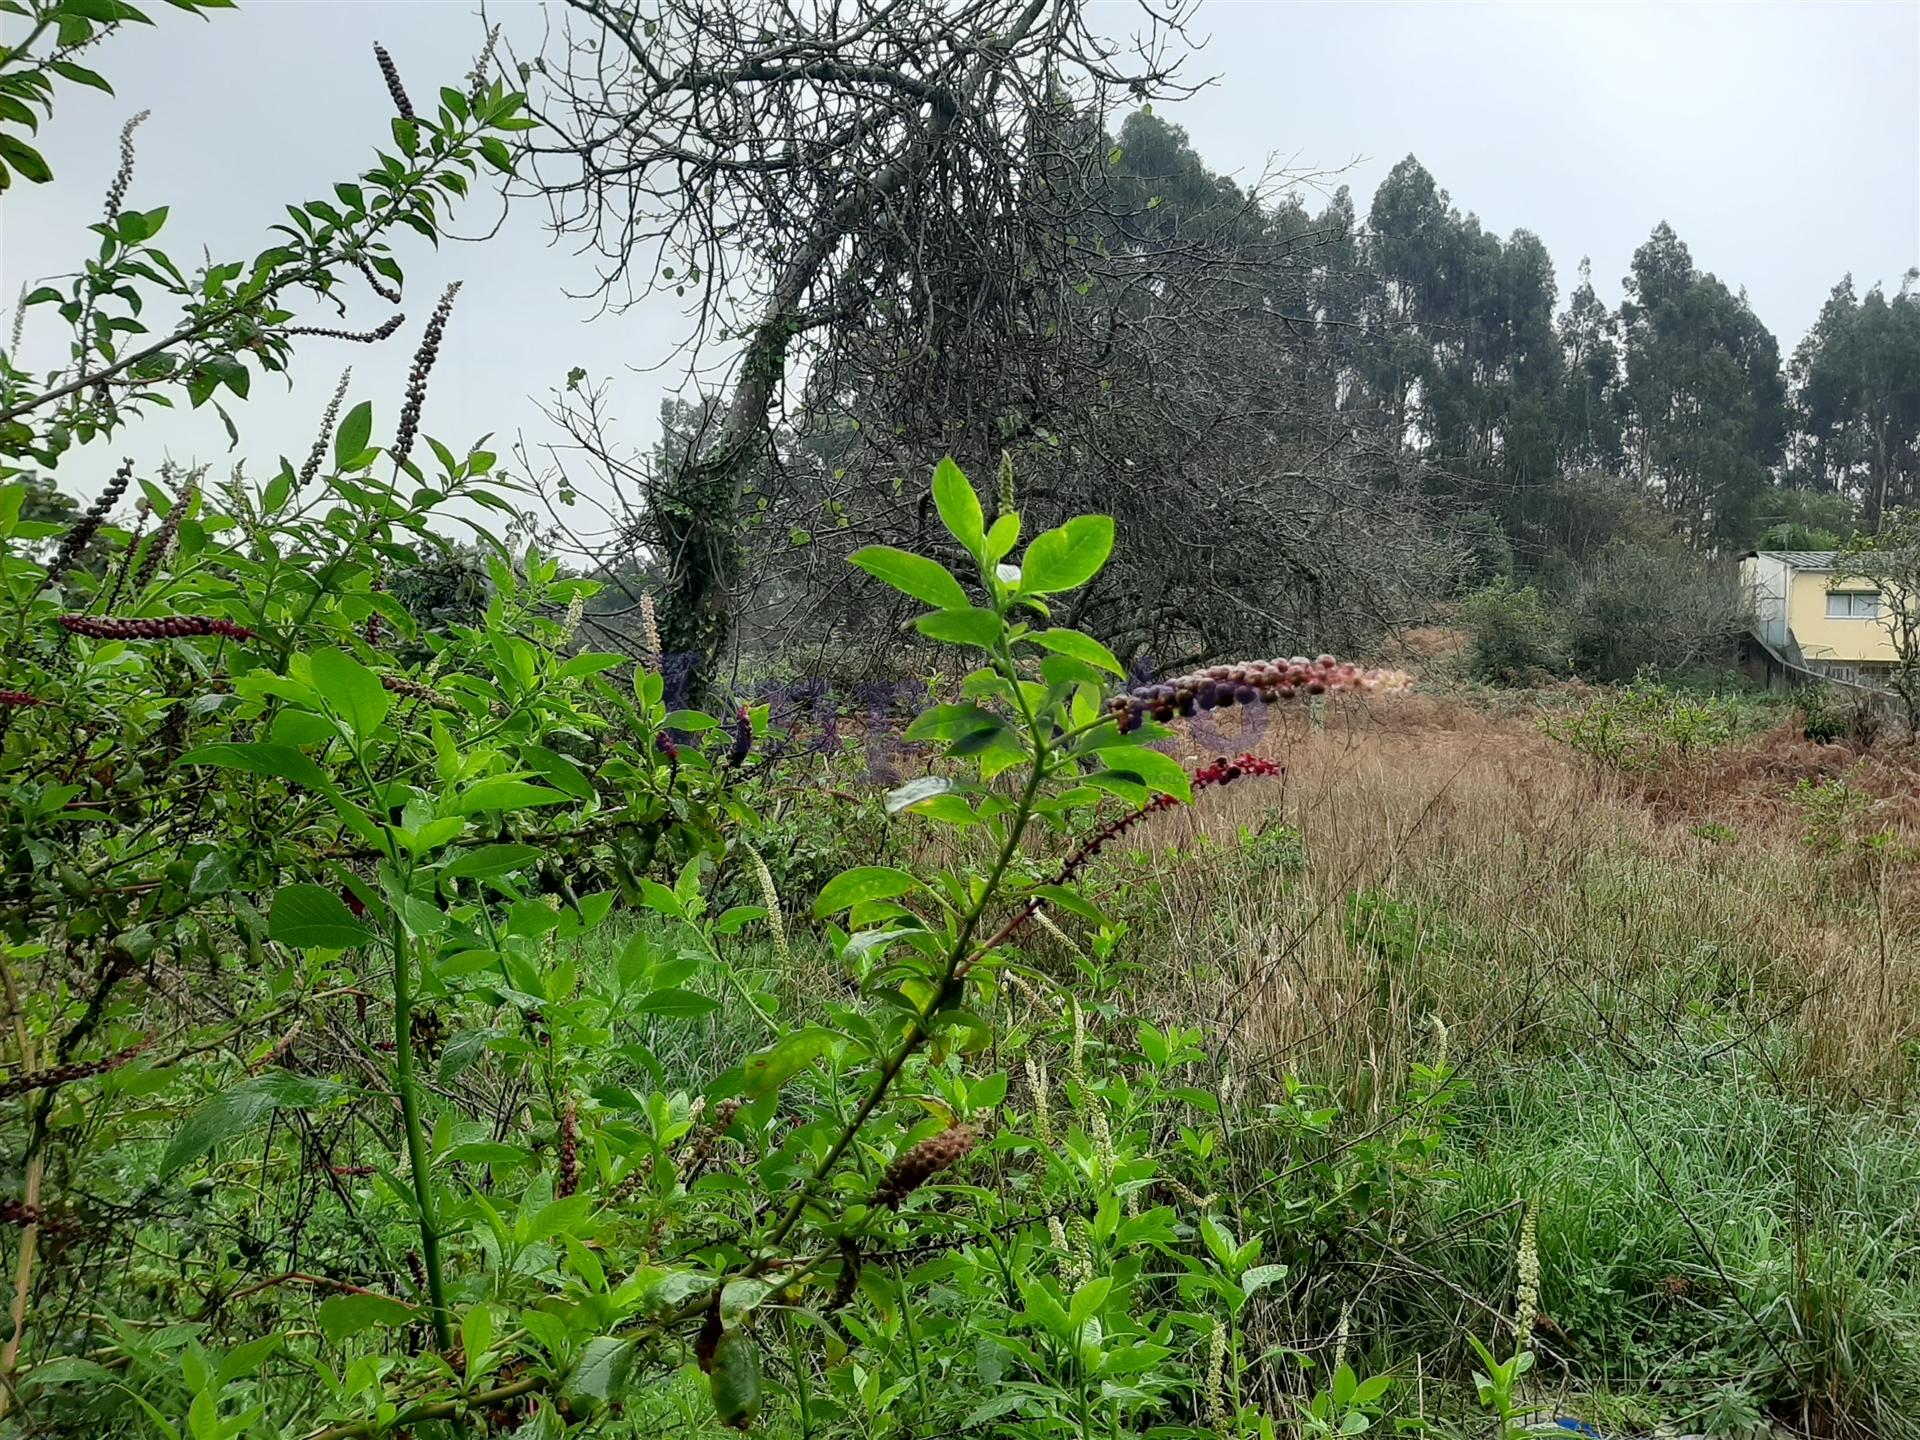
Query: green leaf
959	507
1159	772
557	770
662	1290
505	793
1067	558
1368	1392
24	158
865	882
659	898
239	1109
1219	1240
1079	647
676	1003
106	12
279	761
913	575
354	435
962	627
949	810
1071	900
352	691
344	1316
1004	535
1088	1299
1043	1309
484	1152
689	722
589	664
305	916
489	861
916	792
951	722
1260	1277
66	1370
740	1298
79	74
291	765
134	226
599	1376
766	1072
462	1051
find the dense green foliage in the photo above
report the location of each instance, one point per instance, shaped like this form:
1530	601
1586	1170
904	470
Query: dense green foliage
419	1022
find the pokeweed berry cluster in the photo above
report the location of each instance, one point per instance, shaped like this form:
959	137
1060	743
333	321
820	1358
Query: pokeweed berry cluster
171	627
317	456
88	525
359	337
569	1177
742	738
1220	771
414	690
54	1227
1223	771
917	1166
164	536
423	360
390	72
70	1072
1247	682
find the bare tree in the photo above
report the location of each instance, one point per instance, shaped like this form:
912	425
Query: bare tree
776	160
913	232
1891	560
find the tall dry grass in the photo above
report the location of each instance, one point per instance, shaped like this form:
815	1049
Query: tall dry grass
1530	903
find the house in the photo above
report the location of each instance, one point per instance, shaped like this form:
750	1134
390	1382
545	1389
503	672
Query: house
1810	618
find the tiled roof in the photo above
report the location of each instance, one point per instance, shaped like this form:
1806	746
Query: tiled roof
1802	559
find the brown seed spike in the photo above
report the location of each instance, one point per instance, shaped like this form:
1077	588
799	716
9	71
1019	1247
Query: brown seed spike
917	1166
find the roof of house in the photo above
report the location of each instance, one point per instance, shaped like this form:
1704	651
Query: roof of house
1799	559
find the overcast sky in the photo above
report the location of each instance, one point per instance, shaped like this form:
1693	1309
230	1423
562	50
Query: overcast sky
1781	141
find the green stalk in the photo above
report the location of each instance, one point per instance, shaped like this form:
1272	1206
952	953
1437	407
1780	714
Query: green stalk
417	1153
957	957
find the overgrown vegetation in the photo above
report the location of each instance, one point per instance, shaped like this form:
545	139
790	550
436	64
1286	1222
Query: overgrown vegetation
423	1019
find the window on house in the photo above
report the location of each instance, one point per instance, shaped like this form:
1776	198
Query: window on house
1853	604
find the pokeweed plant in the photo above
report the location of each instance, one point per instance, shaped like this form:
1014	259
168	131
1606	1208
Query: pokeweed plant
221	778
234	315
533	1191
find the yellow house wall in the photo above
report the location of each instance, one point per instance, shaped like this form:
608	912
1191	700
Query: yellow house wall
1820	638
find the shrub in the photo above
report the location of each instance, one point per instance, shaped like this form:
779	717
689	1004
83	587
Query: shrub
393	882
1513	637
1829	714
1645	725
1634	608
